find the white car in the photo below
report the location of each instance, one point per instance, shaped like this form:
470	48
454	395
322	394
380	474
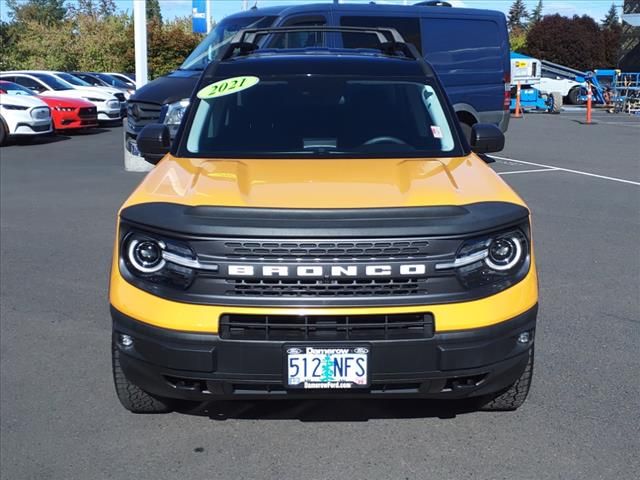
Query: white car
23	115
122	77
109	107
79	83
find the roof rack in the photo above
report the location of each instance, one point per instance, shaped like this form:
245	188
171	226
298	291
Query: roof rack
391	42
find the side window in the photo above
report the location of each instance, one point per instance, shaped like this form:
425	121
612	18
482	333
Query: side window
302	39
30	84
408	27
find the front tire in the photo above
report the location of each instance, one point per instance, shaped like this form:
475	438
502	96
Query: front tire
132	397
4	135
513	396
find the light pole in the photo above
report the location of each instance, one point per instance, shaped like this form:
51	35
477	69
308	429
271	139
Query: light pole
140	40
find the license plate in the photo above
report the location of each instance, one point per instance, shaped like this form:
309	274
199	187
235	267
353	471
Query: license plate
327	367
133	148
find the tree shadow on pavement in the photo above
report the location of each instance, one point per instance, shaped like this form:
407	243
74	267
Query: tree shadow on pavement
333	410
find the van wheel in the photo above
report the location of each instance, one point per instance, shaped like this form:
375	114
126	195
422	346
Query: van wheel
466	130
513	396
132	397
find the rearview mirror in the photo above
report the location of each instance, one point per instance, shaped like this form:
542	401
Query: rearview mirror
154	142
486	138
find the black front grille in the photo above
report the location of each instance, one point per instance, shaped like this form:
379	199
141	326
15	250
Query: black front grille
88	112
40	128
326	327
326	249
140	113
327	288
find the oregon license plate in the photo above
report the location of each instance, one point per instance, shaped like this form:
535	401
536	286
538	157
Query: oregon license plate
327	367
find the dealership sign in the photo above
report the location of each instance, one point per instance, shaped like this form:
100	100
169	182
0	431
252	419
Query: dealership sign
199	16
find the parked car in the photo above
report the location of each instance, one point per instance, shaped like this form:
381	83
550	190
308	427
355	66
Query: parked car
320	227
22	114
81	84
46	84
469	49
128	78
106	80
66	113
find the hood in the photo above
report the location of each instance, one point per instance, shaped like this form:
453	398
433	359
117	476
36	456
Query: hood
168	89
322	183
79	93
66	102
21	100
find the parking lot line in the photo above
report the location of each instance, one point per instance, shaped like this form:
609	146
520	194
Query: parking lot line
530	171
577	172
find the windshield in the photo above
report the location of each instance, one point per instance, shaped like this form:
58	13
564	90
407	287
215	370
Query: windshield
10	88
73	80
113	81
219	37
319	115
53	82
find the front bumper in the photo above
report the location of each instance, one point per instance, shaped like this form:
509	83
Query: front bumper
200	366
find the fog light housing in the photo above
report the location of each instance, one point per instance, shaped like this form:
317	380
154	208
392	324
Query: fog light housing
524	337
125	340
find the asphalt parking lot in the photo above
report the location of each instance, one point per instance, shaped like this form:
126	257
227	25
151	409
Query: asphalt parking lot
60	418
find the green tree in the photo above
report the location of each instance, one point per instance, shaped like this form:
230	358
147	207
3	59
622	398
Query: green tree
611	19
327	369
518	15
43	11
153	11
575	42
536	14
169	44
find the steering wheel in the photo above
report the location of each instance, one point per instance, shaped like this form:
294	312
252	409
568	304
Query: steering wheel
377	140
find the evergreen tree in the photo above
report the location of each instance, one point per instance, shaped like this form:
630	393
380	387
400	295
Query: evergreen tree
611	19
153	11
518	15
327	369
46	12
536	14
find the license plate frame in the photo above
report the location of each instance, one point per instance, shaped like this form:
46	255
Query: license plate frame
334	351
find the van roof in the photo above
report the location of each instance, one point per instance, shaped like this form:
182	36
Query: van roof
318	62
370	8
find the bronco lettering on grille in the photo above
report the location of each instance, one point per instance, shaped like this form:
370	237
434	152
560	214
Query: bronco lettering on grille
327	271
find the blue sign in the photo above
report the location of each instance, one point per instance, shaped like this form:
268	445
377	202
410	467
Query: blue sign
199	16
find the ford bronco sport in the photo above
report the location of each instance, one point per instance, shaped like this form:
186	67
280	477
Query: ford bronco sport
320	227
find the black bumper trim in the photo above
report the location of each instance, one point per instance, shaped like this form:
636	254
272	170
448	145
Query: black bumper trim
199	366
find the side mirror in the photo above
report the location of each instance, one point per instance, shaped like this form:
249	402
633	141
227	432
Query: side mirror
486	138
154	142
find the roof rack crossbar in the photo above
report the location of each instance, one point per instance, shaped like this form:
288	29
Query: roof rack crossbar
245	40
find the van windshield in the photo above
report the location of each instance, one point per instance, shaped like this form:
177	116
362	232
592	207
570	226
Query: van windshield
320	115
219	37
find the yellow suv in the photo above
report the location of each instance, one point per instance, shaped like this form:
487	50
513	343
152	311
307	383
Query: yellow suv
320	227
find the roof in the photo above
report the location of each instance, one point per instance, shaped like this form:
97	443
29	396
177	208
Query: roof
319	62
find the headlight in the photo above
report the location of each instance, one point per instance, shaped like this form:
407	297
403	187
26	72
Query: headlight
113	104
93	99
160	260
13	107
499	260
64	109
173	114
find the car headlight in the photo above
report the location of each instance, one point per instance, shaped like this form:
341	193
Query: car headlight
93	99
13	107
499	260
113	104
64	109
160	261
173	114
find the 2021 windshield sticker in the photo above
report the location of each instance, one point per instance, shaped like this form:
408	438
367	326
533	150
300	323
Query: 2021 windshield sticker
228	86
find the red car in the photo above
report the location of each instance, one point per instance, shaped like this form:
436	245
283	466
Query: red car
67	113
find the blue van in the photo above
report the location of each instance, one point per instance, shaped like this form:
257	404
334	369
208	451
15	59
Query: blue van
468	48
